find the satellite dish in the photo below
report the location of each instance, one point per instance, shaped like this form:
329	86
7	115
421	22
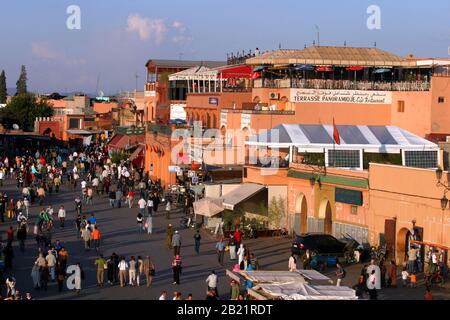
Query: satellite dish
15	126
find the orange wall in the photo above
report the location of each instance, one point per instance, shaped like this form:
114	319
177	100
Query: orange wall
412	195
417	115
440	112
104	107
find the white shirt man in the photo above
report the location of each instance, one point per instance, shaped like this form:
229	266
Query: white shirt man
95	182
142	203
62	213
212	281
83	184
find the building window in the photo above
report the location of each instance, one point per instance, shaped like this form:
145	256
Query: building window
354	210
401	106
74	123
344	158
441	100
421	159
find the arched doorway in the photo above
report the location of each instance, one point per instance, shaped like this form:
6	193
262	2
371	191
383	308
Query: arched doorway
326	215
301	215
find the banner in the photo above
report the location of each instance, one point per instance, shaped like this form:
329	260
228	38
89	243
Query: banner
340	96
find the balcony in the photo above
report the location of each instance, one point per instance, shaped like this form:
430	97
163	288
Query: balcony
268	112
343	84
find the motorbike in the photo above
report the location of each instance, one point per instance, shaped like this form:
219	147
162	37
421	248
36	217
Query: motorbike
249	232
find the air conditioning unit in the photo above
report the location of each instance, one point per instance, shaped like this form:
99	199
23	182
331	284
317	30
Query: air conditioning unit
274	96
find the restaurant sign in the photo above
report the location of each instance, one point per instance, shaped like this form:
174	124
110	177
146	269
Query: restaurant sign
340	96
353	197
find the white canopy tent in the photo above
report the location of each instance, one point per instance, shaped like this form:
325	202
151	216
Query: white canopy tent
365	139
304	291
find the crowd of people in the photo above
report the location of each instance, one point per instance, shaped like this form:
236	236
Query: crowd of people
91	173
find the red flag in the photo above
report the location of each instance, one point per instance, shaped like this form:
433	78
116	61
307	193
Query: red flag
336	136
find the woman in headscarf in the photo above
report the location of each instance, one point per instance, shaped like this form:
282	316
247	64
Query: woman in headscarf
292	263
35	276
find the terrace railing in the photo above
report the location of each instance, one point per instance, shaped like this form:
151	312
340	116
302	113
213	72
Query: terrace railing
344	84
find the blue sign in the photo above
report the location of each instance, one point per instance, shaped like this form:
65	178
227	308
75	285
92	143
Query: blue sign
214	101
353	197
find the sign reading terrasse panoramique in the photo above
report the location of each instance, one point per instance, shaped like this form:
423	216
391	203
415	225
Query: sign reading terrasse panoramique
340	96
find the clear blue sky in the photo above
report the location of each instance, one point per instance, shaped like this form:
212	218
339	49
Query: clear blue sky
118	37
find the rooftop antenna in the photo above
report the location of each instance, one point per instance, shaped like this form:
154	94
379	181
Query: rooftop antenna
345	43
137	77
98	82
318	35
314	42
375	44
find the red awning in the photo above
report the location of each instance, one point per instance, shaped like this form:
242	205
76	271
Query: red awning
324	69
355	68
115	140
237	72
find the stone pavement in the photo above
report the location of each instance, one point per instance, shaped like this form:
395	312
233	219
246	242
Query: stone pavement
118	227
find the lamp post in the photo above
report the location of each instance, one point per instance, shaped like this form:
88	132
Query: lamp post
444	200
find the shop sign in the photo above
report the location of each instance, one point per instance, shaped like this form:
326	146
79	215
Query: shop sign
341	96
353	197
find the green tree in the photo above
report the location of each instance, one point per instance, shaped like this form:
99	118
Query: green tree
3	90
23	110
22	82
277	208
117	156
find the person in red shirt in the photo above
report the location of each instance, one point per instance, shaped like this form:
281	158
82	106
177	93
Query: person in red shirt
238	237
10	234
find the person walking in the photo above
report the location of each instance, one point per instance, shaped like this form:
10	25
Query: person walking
176	268
142	204
140	270
168	209
241	254
61	216
79	275
372	285
100	263
220	249
150	206
232	248
51	264
63	257
140	222
340	273
405	276
176	243
112	199
60	276
45	275
169	235
149	271
35	276
212	281
96	237
254	262
87	237
149	224
123	266
292	263
130	198
197	239
132	271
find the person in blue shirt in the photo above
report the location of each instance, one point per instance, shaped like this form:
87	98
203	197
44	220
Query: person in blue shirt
92	220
